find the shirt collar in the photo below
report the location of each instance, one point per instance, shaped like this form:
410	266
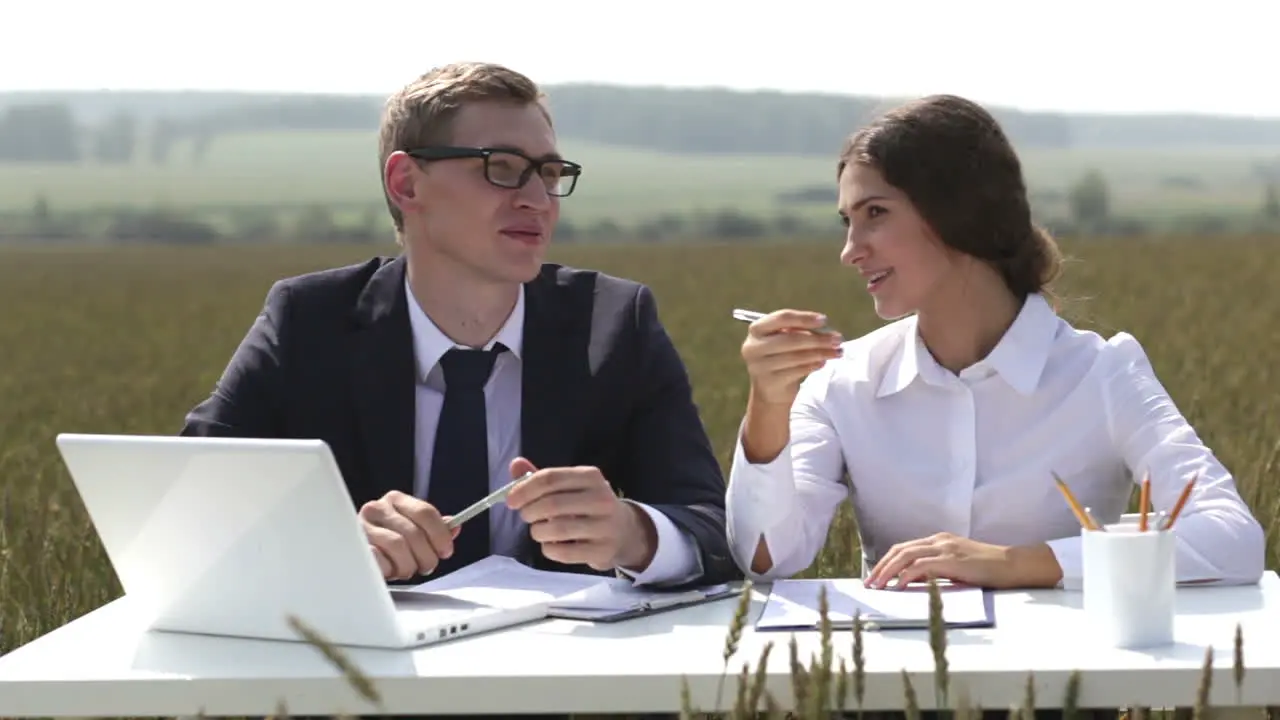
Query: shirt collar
430	343
1019	357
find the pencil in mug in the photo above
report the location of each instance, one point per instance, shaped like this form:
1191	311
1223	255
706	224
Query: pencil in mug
1088	513
1144	499
1082	516
1182	501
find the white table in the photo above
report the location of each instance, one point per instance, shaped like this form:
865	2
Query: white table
102	665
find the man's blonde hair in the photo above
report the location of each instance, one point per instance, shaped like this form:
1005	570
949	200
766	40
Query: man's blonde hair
422	112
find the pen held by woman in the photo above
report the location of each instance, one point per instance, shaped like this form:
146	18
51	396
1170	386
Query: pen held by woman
750	316
778	358
781	349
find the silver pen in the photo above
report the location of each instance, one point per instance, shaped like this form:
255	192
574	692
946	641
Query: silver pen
750	316
489	501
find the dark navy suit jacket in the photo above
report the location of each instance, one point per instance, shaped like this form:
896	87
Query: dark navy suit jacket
331	357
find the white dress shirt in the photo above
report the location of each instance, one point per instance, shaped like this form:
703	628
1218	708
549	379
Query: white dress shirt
972	454
676	559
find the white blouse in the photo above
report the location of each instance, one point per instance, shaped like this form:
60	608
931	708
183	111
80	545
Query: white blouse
928	451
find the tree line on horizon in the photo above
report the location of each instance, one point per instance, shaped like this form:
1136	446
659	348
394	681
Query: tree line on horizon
122	127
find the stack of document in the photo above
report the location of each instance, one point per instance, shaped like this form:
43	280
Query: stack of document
504	582
793	605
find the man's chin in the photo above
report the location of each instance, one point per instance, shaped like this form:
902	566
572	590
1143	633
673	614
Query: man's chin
522	271
518	261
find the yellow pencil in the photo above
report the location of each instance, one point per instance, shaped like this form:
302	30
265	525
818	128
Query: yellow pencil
1182	501
1076	508
1144	497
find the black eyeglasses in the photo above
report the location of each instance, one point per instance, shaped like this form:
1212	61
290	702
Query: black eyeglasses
507	168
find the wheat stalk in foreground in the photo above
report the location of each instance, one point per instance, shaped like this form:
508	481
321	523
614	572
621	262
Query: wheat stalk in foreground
734	636
938	644
1237	662
1201	709
812	686
812	695
859	664
358	680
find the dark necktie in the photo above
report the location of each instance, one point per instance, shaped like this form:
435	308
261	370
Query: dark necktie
460	461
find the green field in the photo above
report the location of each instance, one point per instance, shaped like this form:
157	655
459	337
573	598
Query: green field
127	341
626	185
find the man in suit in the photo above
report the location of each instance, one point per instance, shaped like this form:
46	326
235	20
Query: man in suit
444	373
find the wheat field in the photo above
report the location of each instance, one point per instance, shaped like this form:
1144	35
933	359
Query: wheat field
126	341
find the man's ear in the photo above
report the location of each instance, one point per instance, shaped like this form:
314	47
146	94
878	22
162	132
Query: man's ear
398	176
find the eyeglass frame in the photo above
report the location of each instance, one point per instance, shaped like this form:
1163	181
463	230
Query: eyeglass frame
432	153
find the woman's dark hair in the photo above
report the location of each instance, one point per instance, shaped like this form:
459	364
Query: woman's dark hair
953	161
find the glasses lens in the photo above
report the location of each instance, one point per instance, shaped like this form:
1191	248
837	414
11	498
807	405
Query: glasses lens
560	179
506	169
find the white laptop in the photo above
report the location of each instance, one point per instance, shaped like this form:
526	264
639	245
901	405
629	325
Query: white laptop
230	536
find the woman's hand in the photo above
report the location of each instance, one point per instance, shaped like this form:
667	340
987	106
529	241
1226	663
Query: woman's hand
782	348
962	560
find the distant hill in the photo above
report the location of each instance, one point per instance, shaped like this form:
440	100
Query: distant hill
712	121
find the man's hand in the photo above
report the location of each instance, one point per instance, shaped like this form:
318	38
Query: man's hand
962	560
407	535
574	514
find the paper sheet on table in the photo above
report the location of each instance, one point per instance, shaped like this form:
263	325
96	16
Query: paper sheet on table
793	604
505	582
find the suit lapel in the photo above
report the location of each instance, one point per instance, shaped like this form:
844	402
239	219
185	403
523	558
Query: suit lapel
554	374
384	381
555	380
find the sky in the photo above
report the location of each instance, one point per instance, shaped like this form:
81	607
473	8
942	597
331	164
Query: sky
1084	55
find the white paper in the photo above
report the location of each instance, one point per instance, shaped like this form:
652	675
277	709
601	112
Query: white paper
504	582
794	603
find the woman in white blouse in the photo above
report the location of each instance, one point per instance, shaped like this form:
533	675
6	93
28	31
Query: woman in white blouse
952	420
